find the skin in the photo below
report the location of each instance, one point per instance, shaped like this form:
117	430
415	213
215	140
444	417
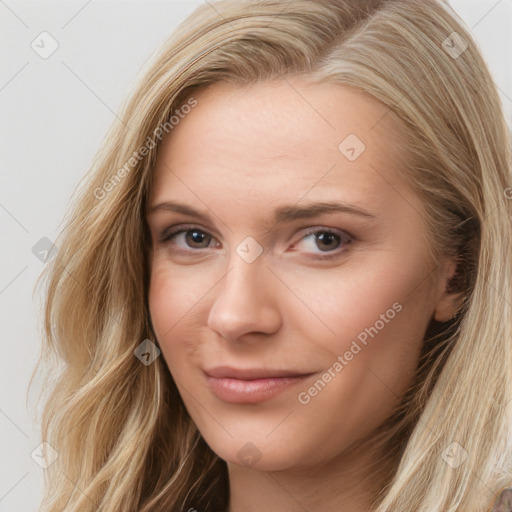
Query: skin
239	154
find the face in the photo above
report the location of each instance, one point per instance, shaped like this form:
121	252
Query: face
290	287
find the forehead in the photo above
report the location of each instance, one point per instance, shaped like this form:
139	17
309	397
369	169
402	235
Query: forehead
287	138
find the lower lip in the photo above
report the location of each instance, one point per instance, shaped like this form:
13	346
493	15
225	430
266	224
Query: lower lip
251	391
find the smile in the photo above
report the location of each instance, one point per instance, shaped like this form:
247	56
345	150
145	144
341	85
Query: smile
247	387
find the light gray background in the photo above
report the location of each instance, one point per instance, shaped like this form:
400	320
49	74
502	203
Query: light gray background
54	114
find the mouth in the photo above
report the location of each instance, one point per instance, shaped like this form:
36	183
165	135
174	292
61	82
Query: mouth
251	386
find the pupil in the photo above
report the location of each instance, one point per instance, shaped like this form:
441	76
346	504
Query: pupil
196	237
326	240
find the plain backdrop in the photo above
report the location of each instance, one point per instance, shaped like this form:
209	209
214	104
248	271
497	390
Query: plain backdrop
55	112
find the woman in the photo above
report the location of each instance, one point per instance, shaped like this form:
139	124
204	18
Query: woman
286	282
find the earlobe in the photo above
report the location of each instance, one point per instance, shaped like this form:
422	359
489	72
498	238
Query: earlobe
447	307
448	301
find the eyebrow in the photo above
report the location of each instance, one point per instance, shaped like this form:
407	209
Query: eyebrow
286	213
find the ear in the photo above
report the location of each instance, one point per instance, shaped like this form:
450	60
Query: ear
448	301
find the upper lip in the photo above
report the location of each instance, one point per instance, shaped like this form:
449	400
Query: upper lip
228	372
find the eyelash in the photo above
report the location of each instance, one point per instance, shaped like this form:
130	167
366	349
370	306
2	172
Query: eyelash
345	238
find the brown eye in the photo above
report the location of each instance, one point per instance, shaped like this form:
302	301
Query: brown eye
197	239
323	243
187	238
326	240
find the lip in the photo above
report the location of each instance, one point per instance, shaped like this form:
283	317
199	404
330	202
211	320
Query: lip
251	386
229	372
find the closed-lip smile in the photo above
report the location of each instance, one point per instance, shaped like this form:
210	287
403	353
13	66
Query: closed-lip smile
251	385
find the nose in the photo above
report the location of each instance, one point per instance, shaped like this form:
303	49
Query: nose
246	302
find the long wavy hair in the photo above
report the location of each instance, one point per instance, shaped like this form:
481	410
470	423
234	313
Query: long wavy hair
124	439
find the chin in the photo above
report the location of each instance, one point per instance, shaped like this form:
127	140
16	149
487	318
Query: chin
265	454
264	460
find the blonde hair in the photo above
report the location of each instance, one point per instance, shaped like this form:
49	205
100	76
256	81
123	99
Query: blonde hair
124	439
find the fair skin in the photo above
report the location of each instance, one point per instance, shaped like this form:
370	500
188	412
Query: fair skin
238	156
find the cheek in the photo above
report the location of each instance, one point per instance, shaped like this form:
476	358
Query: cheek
375	316
370	330
173	299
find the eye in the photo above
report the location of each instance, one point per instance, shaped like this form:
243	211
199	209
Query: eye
187	237
318	241
321	243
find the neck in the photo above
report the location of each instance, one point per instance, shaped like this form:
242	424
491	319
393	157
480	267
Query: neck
346	483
